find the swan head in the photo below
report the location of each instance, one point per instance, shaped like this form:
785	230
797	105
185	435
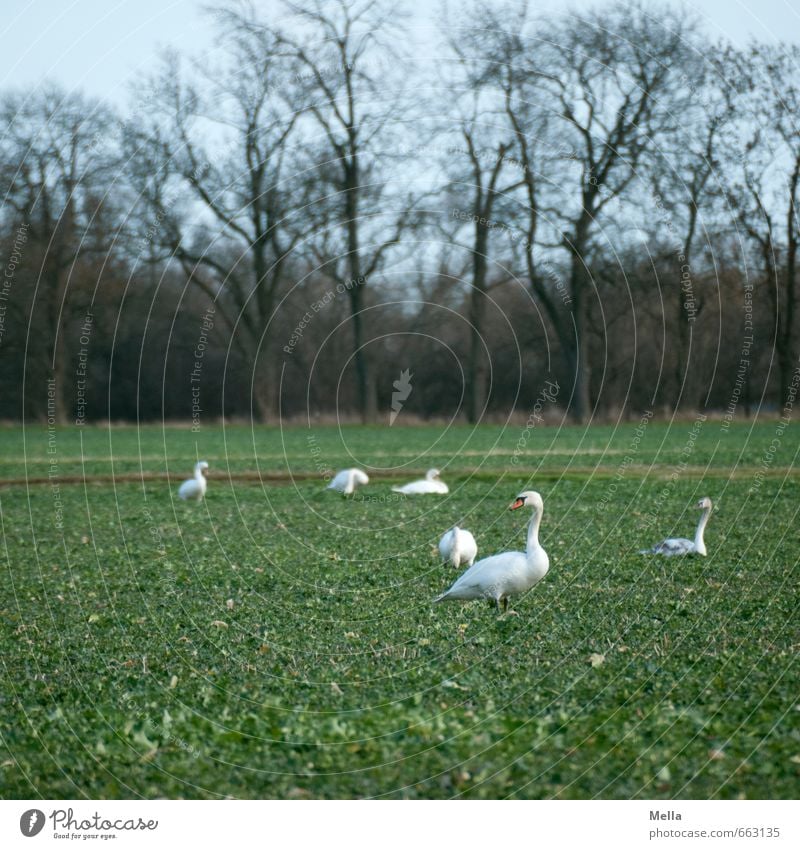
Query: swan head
360	477
705	504
201	468
529	498
431	474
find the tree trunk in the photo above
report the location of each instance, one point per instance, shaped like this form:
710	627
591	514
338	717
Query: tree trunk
59	377
786	351
581	399
265	380
684	316
476	364
57	367
680	373
264	400
365	387
579	357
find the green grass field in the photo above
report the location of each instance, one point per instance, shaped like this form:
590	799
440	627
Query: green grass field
278	641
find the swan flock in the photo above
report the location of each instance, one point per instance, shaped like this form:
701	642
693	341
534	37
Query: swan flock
496	578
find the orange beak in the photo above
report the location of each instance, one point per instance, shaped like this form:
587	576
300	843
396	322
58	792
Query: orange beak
516	504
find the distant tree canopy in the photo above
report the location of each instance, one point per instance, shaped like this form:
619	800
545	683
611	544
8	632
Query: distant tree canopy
602	201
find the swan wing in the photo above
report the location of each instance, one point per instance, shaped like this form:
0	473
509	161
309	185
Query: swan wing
422	488
492	577
339	481
414	488
467	546
671	547
446	544
189	489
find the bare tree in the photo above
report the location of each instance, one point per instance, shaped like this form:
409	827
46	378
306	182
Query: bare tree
210	165
539	159
687	185
480	186
602	78
765	193
345	56
58	159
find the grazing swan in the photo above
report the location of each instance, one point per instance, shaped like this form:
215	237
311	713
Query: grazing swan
195	488
431	484
671	547
458	547
501	576
347	480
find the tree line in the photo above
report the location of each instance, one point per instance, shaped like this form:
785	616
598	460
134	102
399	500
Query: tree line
602	201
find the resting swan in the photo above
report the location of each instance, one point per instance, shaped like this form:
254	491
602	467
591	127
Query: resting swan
671	547
347	480
501	576
195	488
458	547
431	484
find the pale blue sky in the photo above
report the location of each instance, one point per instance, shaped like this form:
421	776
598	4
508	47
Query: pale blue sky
100	46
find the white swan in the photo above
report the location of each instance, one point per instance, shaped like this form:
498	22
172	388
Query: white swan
671	547
347	480
458	547
431	484
501	576
195	488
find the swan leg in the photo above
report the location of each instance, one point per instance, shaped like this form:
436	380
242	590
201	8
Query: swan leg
494	604
505	605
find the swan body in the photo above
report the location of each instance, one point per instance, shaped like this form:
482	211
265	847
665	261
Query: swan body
458	547
431	485
501	576
194	489
677	546
347	480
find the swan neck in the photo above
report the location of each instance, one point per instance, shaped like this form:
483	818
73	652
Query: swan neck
533	530
701	526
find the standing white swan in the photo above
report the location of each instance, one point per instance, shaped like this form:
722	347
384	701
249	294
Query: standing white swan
501	576
347	480
195	488
431	484
458	547
671	547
